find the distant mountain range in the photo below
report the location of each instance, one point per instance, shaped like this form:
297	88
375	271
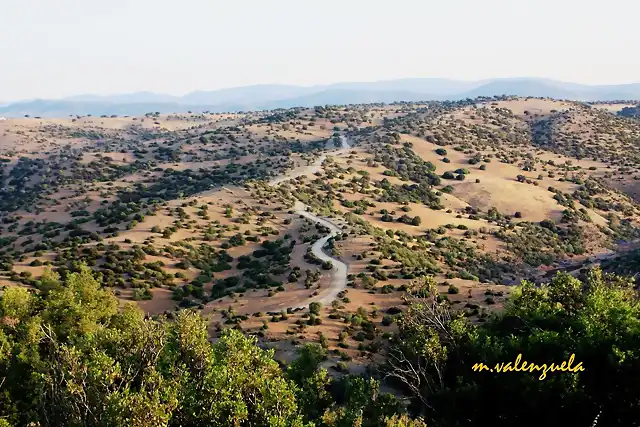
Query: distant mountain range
267	97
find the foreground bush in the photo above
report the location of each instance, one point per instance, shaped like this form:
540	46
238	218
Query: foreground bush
597	319
69	357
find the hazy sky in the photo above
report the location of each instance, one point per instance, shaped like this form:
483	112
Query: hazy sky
54	48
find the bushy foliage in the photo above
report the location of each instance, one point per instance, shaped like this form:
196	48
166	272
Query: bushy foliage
69	357
597	320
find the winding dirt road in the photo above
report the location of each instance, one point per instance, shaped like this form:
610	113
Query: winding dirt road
339	271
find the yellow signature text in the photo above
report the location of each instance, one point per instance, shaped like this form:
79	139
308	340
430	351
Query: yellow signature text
523	366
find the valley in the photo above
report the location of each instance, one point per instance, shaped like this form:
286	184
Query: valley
231	213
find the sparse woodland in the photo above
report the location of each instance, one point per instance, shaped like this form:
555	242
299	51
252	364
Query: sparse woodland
152	276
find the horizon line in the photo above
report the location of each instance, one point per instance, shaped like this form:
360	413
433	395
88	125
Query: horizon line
308	86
